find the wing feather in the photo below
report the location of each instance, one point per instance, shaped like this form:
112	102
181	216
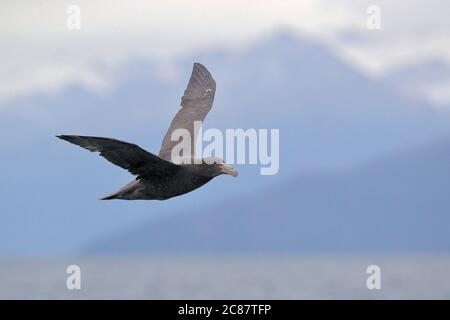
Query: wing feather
196	102
126	155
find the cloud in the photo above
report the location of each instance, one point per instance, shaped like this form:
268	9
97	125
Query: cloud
439	94
39	53
48	77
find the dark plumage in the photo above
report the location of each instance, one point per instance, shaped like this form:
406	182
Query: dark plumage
157	177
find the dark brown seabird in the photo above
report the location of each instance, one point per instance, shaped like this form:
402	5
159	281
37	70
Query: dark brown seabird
158	177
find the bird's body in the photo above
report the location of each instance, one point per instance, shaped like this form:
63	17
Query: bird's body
161	187
158	177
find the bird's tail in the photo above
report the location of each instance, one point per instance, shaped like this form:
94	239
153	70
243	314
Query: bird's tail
124	193
110	196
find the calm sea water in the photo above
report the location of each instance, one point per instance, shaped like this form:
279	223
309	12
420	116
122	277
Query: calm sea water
410	277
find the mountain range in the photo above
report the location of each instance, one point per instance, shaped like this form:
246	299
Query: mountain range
335	125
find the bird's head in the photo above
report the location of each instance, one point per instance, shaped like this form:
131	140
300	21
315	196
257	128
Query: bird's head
215	166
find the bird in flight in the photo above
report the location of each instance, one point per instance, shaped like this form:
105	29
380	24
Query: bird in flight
157	176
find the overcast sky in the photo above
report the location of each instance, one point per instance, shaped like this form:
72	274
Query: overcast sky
39	53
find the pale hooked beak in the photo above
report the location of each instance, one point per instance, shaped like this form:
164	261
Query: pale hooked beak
227	169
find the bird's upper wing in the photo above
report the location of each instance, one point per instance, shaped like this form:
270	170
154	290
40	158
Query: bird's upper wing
125	155
195	105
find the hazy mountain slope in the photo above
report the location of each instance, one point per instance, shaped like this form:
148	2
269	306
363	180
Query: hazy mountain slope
400	203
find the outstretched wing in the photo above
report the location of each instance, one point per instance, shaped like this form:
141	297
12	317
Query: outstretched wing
125	155
195	105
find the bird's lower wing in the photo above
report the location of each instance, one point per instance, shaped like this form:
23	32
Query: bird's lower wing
125	155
